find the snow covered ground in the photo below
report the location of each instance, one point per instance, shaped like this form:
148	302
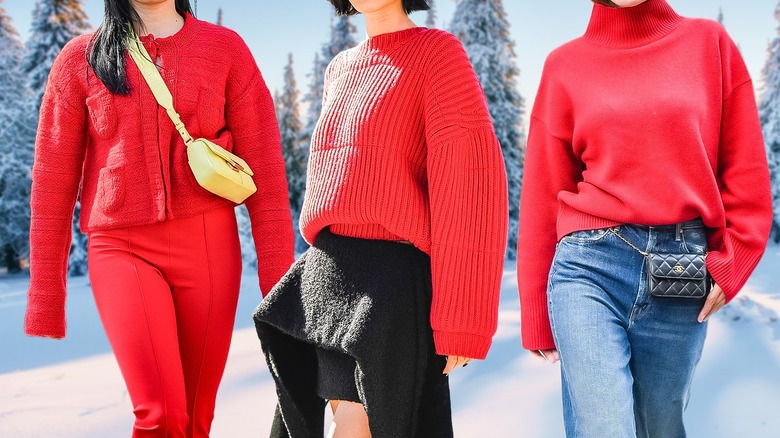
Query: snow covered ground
73	388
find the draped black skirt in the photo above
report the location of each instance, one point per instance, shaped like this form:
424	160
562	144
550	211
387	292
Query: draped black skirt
351	321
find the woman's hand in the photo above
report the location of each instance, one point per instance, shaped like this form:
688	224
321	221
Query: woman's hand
454	362
715	301
548	355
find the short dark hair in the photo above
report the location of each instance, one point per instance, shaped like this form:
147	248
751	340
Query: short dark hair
344	7
607	3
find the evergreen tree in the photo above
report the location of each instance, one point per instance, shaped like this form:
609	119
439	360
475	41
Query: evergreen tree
219	17
55	22
720	16
430	19
15	167
293	149
482	27
769	114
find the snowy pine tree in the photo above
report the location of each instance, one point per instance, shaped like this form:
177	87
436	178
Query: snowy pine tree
482	27
769	114
55	22
720	16
430	18
293	149
15	123
219	17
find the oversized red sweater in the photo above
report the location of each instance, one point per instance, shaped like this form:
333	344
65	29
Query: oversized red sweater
649	118
405	150
132	164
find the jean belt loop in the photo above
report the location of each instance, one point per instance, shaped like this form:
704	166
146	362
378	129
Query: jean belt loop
678	232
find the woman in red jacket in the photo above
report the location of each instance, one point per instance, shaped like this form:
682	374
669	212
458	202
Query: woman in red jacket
406	211
164	257
644	139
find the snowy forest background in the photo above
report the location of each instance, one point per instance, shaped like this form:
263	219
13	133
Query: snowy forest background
481	25
72	388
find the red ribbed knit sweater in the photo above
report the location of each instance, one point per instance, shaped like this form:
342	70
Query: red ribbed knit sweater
134	163
405	150
649	118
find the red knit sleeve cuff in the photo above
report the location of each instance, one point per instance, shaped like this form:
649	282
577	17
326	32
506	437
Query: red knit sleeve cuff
461	344
537	334
731	273
45	317
273	266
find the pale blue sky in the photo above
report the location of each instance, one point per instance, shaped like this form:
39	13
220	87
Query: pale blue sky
272	28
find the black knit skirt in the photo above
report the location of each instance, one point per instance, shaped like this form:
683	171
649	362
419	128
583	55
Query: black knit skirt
351	320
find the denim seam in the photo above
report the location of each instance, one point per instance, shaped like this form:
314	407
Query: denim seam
642	274
550	314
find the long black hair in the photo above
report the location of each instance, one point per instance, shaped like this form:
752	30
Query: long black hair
107	49
344	7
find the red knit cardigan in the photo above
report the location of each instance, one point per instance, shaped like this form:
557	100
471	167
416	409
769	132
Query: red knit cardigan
130	164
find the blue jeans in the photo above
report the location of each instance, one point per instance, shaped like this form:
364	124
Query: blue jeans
627	358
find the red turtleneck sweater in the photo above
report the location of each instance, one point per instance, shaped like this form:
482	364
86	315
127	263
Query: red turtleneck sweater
129	164
649	118
405	150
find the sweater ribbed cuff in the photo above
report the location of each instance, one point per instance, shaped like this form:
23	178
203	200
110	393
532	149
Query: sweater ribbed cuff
731	273
537	334
461	344
45	317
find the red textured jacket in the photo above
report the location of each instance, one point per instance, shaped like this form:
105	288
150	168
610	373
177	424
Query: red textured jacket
649	118
132	164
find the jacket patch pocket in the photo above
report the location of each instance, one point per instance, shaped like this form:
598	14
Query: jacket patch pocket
111	191
102	113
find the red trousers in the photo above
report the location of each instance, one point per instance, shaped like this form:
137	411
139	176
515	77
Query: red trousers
167	296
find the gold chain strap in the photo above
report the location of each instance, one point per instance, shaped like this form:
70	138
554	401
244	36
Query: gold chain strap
614	231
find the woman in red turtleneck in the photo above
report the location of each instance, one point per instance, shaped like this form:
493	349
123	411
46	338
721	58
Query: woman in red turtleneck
644	136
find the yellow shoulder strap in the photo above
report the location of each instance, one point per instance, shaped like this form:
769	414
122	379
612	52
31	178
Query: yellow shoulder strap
161	92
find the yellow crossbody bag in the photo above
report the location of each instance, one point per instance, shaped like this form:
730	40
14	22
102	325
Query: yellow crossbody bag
216	170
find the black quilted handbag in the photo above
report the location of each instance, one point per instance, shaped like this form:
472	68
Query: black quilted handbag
677	275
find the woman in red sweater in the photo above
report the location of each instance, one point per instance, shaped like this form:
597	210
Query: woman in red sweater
164	257
644	139
406	211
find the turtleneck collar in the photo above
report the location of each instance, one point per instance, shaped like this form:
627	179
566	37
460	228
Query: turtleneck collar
387	41
631	27
179	38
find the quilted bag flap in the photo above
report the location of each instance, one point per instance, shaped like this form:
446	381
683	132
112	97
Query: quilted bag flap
678	266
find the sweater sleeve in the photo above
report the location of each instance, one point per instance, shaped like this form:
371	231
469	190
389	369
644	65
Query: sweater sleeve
252	122
743	177
468	196
60	146
550	168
